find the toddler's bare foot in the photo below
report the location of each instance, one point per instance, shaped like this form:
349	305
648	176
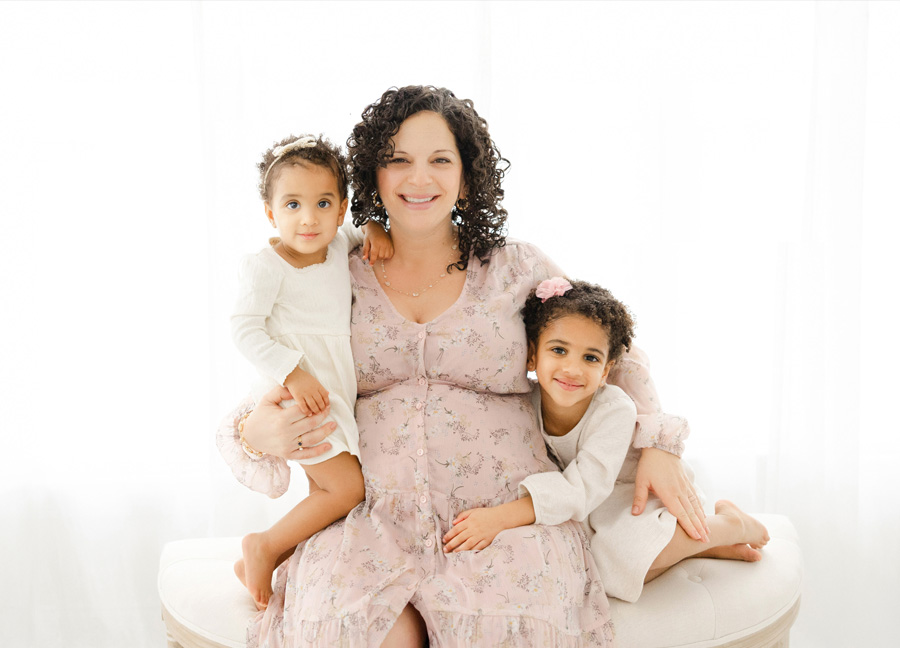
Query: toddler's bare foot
257	566
749	530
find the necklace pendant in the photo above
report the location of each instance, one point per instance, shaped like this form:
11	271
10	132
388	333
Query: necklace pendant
415	294
387	283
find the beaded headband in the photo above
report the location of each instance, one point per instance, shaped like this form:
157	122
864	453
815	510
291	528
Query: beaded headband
306	141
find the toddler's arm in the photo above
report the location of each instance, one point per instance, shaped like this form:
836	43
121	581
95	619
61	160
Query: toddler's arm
257	291
307	391
375	241
378	244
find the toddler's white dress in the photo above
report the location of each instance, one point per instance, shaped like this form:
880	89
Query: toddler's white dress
287	317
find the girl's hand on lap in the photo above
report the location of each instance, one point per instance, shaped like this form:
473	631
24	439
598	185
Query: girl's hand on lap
663	473
278	431
474	529
308	392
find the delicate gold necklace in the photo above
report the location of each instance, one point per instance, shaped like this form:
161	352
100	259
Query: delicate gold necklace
418	292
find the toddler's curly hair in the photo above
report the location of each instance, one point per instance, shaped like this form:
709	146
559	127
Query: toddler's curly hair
482	221
323	154
588	300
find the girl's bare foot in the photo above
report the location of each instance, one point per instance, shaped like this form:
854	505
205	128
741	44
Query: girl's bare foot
732	552
256	567
748	530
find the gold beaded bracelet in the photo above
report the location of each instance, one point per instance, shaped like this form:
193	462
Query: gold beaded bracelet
246	446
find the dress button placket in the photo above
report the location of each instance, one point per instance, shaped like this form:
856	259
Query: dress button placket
421	391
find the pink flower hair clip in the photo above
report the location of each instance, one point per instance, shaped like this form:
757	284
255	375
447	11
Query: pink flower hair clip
553	287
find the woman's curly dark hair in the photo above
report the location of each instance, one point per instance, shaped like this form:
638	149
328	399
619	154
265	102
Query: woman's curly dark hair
323	154
588	300
482	224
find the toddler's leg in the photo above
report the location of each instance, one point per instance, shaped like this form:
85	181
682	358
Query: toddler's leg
733	535
336	487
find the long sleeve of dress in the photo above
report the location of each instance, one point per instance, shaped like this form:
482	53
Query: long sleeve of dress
258	288
588	479
268	474
655	428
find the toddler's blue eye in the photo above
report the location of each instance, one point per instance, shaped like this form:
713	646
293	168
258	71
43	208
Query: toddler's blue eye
558	351
324	204
592	358
293	205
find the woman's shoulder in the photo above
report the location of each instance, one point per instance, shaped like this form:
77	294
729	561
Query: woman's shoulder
521	257
518	247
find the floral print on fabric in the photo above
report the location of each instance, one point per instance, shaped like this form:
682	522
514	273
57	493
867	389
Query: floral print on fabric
445	424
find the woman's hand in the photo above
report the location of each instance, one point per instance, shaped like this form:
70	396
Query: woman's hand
663	473
286	433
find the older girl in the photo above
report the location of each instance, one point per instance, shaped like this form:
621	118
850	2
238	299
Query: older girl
577	332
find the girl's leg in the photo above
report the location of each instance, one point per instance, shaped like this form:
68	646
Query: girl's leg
733	535
408	631
336	487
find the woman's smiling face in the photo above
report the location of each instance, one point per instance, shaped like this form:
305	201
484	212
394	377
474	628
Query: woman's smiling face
424	177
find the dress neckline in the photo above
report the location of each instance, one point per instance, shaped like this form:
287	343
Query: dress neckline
371	269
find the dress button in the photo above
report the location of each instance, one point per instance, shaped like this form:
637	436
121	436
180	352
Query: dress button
421	335
420	405
422	380
423	499
411	586
420	452
429	542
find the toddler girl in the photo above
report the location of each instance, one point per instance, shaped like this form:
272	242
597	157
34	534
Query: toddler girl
576	333
292	321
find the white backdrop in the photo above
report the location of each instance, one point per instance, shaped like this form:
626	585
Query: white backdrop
729	170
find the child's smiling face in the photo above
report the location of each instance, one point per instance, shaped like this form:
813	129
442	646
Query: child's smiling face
571	360
307	209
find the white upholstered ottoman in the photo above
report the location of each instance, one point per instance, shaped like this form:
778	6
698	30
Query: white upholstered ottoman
700	603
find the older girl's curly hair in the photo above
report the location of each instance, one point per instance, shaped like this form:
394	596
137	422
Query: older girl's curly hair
588	300
323	154
482	222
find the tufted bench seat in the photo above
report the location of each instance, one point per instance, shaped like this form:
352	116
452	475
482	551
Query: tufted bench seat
700	603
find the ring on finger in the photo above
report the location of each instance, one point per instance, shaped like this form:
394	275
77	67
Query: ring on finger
299	442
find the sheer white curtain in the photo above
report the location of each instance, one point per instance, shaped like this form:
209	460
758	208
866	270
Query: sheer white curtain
728	169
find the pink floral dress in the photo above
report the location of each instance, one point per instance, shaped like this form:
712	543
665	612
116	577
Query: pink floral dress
445	424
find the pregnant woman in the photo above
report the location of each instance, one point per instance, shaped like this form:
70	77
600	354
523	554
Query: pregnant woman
445	422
